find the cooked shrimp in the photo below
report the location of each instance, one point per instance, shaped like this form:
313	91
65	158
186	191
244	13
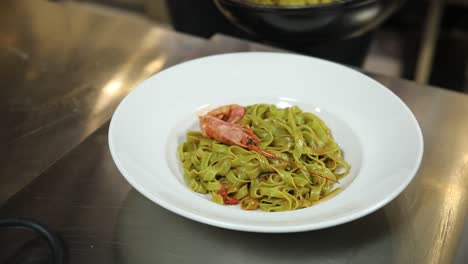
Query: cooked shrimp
221	124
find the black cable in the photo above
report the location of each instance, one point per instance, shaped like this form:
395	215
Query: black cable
54	243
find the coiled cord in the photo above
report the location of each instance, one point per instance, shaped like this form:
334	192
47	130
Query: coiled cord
55	244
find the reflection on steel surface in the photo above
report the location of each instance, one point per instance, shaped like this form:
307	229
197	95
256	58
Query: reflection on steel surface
60	66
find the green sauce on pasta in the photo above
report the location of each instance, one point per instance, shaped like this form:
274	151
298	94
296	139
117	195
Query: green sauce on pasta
267	184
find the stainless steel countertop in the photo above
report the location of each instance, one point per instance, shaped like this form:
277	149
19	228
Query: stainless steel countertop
64	68
50	109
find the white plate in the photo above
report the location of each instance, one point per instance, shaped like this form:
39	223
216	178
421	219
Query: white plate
379	135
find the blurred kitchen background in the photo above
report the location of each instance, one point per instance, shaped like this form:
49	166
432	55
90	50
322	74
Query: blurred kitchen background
425	41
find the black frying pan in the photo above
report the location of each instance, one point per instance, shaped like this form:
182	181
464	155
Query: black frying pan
308	24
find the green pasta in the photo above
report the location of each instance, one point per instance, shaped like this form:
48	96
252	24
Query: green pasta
291	2
256	182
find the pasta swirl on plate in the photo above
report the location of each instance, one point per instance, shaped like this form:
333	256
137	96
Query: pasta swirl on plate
232	174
